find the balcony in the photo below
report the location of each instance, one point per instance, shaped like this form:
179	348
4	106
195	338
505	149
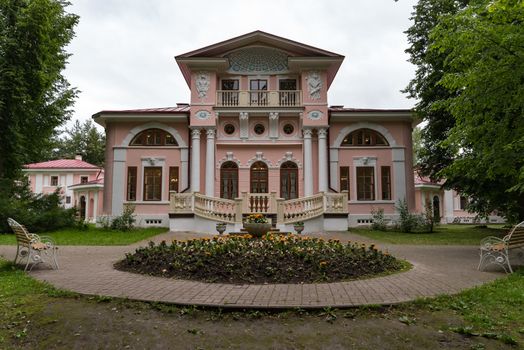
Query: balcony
259	98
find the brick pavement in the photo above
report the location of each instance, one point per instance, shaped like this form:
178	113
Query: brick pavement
436	270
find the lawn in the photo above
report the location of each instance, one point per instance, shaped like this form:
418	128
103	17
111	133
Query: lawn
93	236
34	315
443	235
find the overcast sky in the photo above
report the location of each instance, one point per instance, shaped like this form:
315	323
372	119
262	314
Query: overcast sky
123	52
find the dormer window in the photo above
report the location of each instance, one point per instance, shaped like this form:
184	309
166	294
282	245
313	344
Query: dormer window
364	137
154	137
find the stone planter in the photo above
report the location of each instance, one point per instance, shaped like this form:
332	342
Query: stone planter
298	228
256	229
221	228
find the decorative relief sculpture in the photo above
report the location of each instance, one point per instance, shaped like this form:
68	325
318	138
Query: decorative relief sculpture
314	84
244	115
202	82
203	115
273	115
315	115
258	60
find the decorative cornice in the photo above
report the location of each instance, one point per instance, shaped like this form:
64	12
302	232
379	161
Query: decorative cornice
229	157
288	157
259	156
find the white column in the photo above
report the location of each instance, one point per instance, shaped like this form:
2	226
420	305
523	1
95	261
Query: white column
322	161
210	163
119	176
195	160
184	169
87	206
399	174
308	164
95	206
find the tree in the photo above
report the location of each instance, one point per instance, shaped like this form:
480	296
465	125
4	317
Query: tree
433	156
35	97
484	67
417	145
82	139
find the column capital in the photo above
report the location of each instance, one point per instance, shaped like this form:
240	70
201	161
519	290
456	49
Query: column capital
307	133
210	133
195	133
273	115
243	115
322	133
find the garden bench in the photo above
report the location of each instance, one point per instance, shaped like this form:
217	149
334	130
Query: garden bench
494	250
37	249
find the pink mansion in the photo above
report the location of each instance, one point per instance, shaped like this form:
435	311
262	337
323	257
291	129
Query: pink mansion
258	136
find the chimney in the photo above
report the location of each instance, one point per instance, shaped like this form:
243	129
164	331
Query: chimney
78	157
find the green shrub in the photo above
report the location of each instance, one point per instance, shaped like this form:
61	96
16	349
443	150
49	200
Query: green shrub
379	222
38	212
126	221
410	222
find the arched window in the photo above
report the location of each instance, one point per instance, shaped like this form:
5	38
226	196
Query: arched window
259	177
365	137
153	137
229	180
289	180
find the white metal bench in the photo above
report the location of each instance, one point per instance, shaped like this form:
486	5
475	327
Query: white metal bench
494	250
37	249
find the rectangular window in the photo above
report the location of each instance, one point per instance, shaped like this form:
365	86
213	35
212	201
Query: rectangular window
365	183
68	199
229	84
131	183
258	84
173	178
54	180
83	179
287	84
463	203
152	183
385	173
344	178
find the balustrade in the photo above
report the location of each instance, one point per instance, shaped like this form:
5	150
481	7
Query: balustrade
231	211
258	98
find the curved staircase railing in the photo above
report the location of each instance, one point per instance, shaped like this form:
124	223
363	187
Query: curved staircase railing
232	211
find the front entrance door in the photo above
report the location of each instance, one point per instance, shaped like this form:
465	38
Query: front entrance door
259	178
289	180
229	180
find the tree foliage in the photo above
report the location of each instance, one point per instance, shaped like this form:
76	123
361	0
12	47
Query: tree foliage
432	156
470	82
35	97
485	62
83	139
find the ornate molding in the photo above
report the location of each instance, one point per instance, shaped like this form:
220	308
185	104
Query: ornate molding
288	157
154	161
229	157
243	115
202	82
315	115
195	133
259	156
314	84
203	114
322	133
273	115
307	133
210	133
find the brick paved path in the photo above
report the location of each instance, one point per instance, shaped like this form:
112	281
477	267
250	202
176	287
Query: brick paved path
436	270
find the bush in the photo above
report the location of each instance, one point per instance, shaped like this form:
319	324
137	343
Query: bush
409	222
37	212
126	221
379	222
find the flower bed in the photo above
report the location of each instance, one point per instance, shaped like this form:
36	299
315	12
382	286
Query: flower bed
272	259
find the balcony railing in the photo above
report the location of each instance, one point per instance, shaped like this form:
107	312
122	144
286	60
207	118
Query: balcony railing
259	98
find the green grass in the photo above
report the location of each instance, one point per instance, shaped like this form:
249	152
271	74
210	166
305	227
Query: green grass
92	236
443	235
494	310
21	297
